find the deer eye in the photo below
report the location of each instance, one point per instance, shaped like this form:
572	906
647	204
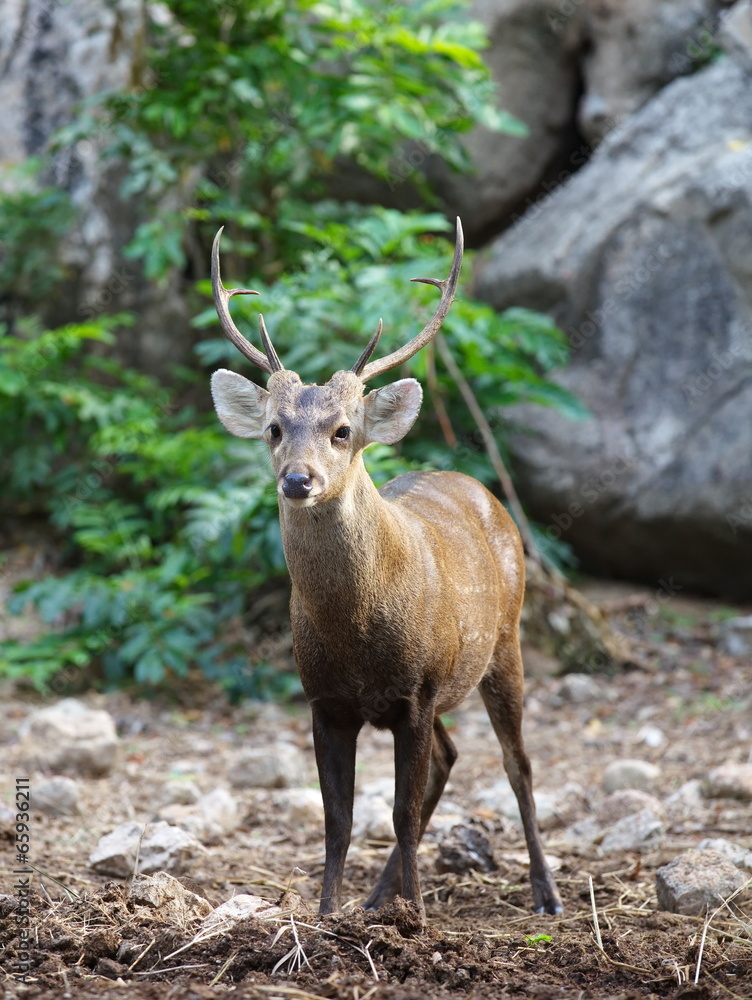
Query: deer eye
343	433
275	431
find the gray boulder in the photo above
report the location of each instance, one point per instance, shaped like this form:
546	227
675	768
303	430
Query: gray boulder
535	65
54	55
635	48
644	258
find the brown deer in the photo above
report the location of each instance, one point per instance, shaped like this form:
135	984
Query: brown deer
403	599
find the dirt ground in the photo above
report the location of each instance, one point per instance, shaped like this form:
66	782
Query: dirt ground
687	709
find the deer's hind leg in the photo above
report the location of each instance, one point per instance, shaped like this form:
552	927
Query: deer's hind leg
502	691
443	756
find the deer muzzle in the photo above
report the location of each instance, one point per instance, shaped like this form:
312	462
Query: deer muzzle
297	486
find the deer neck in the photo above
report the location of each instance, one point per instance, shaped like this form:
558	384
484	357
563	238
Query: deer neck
342	552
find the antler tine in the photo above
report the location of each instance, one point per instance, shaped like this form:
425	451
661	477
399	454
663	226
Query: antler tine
448	287
271	354
268	362
361	362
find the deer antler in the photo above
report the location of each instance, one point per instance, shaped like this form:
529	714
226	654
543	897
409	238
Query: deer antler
448	287
268	362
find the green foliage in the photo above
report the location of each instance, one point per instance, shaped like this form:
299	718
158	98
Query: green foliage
361	271
173	523
33	219
248	109
168	525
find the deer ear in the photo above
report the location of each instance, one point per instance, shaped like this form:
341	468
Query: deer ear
391	411
240	405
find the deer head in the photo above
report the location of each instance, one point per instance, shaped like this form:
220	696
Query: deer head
316	433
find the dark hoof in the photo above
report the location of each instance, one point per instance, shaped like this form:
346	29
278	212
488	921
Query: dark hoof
555	910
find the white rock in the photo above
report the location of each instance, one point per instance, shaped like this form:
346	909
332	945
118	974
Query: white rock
626	802
553	808
730	781
372	818
380	788
697	881
304	807
500	799
69	737
168	899
7	822
651	736
687	796
163	848
580	688
583	834
736	636
183	793
627	773
279	766
239	908
735	853
209	819
640	831
56	796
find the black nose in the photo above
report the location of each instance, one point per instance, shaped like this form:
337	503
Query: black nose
296	486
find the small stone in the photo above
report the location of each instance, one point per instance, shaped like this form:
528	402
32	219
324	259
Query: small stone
552	808
182	793
697	881
163	848
57	796
735	636
627	773
730	781
583	834
735	853
380	788
626	802
233	911
278	766
501	800
651	736
465	849
372	818
687	796
7	822
209	819
304	807
168	899
640	831
69	737
580	688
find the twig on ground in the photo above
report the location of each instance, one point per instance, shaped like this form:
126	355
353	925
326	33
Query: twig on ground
595	914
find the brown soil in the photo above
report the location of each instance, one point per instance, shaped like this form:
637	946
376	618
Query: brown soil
482	940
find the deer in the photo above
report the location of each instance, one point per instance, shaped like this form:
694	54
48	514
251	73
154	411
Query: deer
404	599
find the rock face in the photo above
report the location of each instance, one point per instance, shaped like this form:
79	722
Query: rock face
534	63
635	48
53	56
644	259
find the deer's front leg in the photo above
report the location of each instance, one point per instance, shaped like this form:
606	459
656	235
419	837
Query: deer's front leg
413	737
334	742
